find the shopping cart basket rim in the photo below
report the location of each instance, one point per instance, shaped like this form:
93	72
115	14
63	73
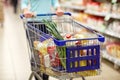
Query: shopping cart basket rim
63	42
22	16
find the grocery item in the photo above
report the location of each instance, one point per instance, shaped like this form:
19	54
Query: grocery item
93	6
69	37
41	47
61	50
47	60
113	49
114	27
54	58
82	17
81	36
81	2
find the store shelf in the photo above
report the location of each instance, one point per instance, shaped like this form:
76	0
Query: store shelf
92	12
115	60
107	16
70	6
96	13
101	30
115	16
112	34
107	32
102	14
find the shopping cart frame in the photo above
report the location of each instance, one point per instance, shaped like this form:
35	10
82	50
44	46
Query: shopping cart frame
101	38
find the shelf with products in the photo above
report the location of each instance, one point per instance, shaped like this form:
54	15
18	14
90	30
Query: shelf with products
98	8
104	18
98	24
114	44
111	50
103	14
116	61
70	6
106	9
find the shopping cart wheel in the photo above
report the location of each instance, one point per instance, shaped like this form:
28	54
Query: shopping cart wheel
36	75
83	78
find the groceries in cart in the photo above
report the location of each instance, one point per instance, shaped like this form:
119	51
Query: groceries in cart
69	49
72	56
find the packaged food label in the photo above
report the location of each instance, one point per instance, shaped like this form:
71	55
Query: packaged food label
47	61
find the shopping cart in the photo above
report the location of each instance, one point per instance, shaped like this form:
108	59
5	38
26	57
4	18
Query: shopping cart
76	56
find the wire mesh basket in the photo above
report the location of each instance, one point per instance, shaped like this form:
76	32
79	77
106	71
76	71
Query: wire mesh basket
78	54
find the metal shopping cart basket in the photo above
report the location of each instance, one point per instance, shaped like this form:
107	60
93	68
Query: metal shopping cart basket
77	55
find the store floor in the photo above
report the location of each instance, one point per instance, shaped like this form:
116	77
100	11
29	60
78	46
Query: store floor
14	60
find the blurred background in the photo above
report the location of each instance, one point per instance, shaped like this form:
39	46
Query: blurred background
101	15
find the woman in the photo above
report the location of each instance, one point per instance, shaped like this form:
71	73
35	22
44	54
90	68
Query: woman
39	7
29	7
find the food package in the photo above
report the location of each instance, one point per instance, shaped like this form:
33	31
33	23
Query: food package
53	55
42	46
82	17
81	36
113	49
79	2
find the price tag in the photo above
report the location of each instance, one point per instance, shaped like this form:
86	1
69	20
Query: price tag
114	1
107	17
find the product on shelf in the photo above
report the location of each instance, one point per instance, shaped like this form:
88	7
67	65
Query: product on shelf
90	16
95	21
98	7
82	17
113	48
114	27
116	9
79	2
93	6
105	7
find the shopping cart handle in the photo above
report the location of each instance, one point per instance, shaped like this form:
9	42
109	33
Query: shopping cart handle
52	14
48	14
22	16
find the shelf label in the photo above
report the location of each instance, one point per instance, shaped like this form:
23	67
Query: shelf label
114	1
107	17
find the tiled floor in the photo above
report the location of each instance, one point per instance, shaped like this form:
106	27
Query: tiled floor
14	60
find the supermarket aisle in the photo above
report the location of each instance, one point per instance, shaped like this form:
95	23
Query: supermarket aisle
14	63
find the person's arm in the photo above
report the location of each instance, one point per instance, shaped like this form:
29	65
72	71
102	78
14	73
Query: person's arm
56	5
25	9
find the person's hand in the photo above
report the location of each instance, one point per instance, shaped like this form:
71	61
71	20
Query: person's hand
28	14
59	12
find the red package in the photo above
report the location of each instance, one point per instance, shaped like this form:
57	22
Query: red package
54	58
